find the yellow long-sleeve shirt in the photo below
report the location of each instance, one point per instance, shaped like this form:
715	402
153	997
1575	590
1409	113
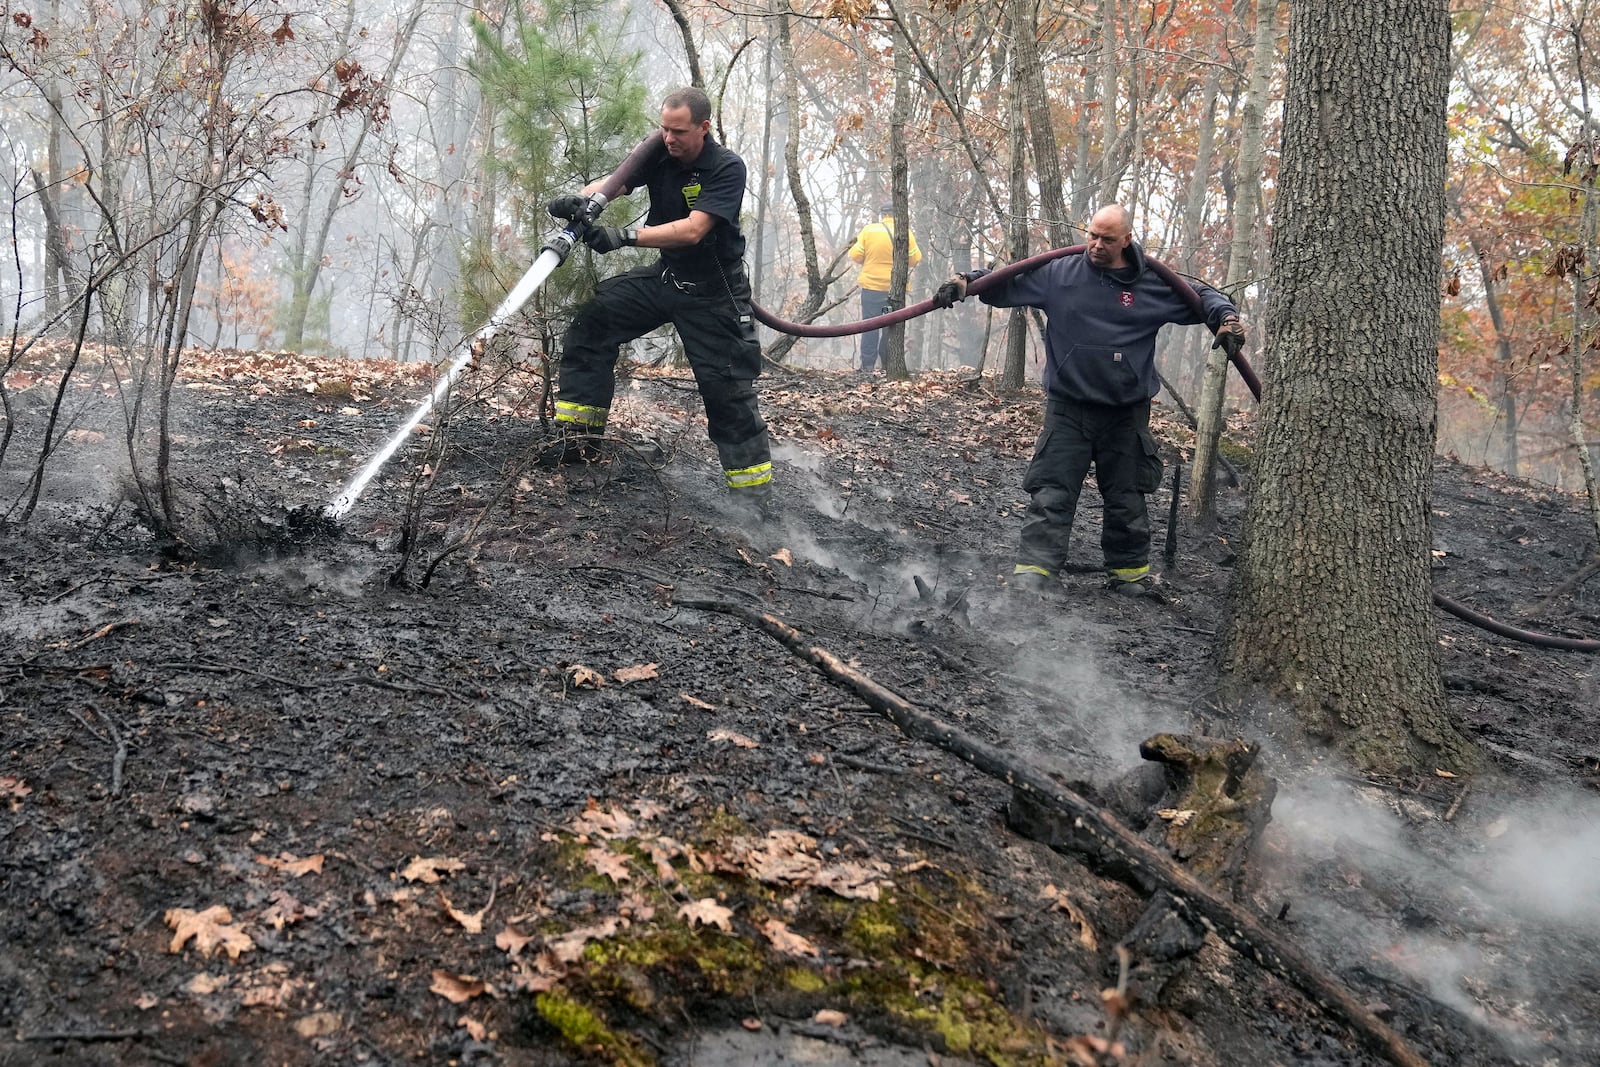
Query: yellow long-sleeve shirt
874	250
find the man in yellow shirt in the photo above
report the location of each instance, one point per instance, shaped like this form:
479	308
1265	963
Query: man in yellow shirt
874	250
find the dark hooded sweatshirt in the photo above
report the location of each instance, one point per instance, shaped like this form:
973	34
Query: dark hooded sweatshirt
1100	337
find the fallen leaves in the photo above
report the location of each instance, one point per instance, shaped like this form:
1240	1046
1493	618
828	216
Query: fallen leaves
210	930
471	922
458	988
1176	817
707	912
696	702
1058	899
608	863
581	677
732	737
12	786
428	869
289	863
786	941
642	672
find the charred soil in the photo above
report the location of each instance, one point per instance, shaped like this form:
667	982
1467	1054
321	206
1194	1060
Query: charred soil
461	780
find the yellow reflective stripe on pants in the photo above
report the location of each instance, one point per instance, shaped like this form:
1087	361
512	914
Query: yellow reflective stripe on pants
1028	568
749	477
1130	574
594	418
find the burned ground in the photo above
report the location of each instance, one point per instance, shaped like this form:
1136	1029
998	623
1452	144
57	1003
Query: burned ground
503	799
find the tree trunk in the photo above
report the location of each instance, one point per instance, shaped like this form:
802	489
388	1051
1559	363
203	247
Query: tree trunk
1214	390
894	337
1046	155
1332	595
1016	369
816	285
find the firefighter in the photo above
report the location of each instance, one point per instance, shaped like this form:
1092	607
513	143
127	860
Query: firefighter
1103	311
698	284
874	250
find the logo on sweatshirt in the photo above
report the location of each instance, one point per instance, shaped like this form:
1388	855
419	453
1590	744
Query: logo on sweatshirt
1127	299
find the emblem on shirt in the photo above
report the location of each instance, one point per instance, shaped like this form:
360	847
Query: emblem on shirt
1127	299
691	193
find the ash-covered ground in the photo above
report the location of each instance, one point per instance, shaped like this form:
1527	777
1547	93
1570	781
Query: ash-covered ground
462	781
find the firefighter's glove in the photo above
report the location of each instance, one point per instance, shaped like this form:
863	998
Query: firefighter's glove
610	238
1230	335
567	207
951	292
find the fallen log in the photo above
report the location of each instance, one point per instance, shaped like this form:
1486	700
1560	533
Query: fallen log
1237	926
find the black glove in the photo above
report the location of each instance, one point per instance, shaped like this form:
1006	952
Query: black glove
610	238
1230	336
567	207
951	292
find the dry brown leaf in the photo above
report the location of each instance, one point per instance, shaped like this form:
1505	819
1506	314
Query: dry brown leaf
428	869
1176	817
510	941
610	823
722	734
146	1001
1058	898
539	976
475	1030
640	672
285	909
637	908
608	863
458	988
12	786
1443	774
783	556
707	912
829	1017
696	702
786	940
1086	1050
569	946
471	922
581	677
203	985
662	851
317	1024
289	863
854	881
210	930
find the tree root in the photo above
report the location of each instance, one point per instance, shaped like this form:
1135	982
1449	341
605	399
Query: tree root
1236	925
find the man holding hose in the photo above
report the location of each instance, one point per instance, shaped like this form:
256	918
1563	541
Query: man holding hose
1103	311
699	285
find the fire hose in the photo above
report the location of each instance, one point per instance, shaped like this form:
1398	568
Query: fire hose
560	244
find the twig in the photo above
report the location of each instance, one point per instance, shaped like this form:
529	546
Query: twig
119	758
1455	805
104	631
860	764
86	1035
1239	926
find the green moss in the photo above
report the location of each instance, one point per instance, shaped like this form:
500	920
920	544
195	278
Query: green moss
580	1027
803	981
1234	452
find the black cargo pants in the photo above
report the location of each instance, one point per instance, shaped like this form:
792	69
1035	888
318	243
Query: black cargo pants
713	320
1127	465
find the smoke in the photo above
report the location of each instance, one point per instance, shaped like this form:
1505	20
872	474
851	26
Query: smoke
1493	915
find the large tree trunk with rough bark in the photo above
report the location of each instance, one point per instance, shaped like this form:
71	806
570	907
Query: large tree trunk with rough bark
1332	597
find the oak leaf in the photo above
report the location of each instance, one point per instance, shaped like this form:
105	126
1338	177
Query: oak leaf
427	869
210	930
786	940
471	922
608	863
582	677
289	863
458	988
707	912
783	556
510	941
569	946
642	672
609	823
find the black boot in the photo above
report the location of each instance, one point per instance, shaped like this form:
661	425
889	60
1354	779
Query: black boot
568	445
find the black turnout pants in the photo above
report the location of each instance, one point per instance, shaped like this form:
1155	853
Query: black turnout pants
1127	465
713	319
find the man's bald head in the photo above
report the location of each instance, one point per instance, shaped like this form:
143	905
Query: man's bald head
1110	232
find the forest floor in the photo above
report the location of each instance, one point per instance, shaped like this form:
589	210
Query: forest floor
275	798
